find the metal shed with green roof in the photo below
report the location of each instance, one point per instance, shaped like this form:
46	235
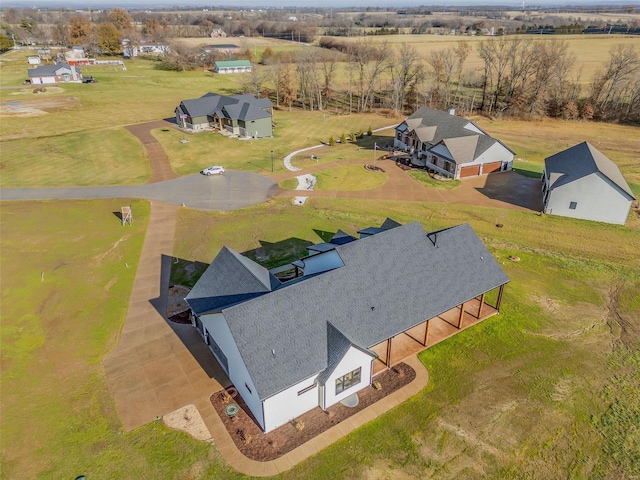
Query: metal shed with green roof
232	66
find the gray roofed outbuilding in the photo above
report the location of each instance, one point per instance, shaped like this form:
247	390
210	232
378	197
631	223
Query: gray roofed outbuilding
390	282
579	161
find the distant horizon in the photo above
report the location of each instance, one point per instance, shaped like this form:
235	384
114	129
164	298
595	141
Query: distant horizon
253	4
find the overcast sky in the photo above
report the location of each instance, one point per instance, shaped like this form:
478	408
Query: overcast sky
300	3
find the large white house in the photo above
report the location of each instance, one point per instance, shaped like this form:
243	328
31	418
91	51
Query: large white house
581	182
312	341
450	145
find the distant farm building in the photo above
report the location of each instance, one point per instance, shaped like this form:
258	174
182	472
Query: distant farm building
233	66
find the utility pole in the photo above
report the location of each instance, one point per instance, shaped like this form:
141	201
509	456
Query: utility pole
271	161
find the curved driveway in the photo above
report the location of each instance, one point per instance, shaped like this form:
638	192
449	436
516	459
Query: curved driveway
230	191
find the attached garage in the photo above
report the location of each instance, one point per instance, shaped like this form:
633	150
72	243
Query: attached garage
491	167
469	171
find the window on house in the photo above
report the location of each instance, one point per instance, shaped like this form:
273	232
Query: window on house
247	387
348	380
573	205
399	136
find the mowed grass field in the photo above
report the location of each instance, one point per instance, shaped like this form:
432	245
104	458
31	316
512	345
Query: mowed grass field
294	130
545	389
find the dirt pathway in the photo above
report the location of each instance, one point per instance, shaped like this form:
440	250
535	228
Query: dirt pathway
157	158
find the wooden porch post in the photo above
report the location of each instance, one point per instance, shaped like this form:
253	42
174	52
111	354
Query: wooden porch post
461	315
426	333
499	301
480	308
388	362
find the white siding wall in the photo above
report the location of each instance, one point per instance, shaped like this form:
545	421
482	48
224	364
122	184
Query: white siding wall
353	359
287	405
596	198
218	329
495	153
322	262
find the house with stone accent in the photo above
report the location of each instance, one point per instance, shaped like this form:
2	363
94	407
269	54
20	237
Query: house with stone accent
240	115
450	145
353	308
581	182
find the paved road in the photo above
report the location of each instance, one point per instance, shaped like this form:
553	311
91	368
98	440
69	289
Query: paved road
231	191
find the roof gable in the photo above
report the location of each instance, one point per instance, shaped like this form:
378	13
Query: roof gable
231	278
579	161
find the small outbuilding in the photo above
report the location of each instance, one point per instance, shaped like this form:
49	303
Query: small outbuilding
233	66
581	182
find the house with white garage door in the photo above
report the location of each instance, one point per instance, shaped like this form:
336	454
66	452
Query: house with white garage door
450	145
51	74
581	182
354	308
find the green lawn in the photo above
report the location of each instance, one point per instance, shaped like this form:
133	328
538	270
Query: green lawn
349	178
424	178
294	130
523	393
91	157
541	390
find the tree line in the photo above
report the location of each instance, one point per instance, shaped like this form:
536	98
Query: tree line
518	77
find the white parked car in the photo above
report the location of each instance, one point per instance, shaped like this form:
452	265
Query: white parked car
216	170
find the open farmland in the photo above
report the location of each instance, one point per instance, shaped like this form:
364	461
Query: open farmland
546	389
591	51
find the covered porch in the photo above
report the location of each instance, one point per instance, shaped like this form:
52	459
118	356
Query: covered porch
434	330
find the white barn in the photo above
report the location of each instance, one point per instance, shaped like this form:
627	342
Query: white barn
321	337
581	182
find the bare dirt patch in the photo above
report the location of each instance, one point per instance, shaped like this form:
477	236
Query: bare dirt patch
42	104
254	444
177	308
189	420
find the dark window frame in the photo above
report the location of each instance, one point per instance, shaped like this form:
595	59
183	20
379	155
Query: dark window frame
348	380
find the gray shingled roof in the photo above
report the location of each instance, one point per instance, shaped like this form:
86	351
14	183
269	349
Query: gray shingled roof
231	278
48	70
435	127
242	107
391	282
579	161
